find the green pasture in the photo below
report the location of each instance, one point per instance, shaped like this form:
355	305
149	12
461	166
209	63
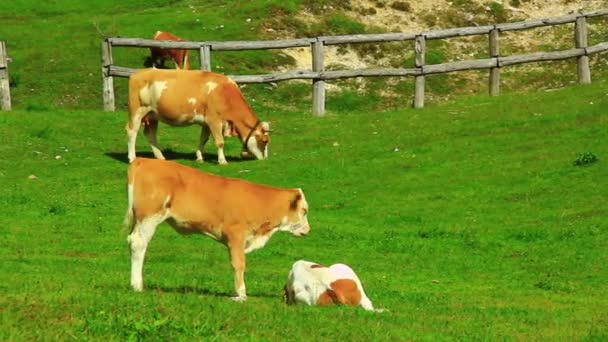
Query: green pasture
468	220
475	218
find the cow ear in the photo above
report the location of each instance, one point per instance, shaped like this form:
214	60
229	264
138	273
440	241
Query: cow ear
293	205
265	126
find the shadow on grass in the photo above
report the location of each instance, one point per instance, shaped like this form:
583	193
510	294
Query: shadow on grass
172	155
207	292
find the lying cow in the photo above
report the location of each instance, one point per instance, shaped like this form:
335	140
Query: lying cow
186	97
159	55
241	215
312	284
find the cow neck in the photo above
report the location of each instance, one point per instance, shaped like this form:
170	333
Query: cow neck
240	131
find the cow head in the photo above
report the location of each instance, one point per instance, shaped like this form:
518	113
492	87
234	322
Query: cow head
258	142
296	221
289	295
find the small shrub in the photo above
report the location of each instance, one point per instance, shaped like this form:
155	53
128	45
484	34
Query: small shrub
34	107
585	159
367	11
57	209
515	3
14	80
380	3
498	12
401	6
42	133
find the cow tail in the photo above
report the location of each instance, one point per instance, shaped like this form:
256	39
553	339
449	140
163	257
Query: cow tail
186	62
134	100
129	221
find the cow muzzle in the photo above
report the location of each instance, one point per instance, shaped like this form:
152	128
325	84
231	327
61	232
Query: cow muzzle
302	230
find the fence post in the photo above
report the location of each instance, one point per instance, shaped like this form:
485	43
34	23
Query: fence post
205	57
580	38
494	53
5	87
108	81
420	80
318	85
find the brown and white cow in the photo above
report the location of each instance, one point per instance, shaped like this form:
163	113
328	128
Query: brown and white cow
312	284
159	55
241	215
186	97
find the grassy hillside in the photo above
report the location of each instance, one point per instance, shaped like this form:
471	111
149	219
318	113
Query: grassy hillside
465	221
476	219
55	47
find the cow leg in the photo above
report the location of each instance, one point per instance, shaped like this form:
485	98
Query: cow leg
150	128
202	142
237	259
138	241
132	128
218	136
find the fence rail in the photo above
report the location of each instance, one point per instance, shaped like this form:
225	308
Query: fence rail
5	89
319	75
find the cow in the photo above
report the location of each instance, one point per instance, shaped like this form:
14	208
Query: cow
186	97
159	55
239	214
312	284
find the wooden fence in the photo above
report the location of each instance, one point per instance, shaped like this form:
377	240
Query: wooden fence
319	75
5	89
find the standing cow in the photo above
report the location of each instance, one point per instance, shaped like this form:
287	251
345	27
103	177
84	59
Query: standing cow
241	215
186	97
159	55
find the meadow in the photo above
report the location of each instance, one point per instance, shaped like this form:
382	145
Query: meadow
475	219
468	220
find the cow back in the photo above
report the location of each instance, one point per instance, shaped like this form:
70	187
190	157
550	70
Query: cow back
205	198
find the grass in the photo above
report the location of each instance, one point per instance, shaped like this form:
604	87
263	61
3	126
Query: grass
479	219
466	221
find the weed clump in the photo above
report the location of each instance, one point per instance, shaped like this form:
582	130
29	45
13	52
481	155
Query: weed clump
585	159
401	6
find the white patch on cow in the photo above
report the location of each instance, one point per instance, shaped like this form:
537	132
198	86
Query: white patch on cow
198	118
192	101
138	241
254	242
166	202
210	87
158	87
150	94
306	282
252	146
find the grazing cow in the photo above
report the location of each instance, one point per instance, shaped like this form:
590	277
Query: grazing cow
159	55
241	215
312	284
185	97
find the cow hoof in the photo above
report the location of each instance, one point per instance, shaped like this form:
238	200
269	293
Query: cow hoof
239	299
222	162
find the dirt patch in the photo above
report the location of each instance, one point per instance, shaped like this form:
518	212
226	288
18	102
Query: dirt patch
423	15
